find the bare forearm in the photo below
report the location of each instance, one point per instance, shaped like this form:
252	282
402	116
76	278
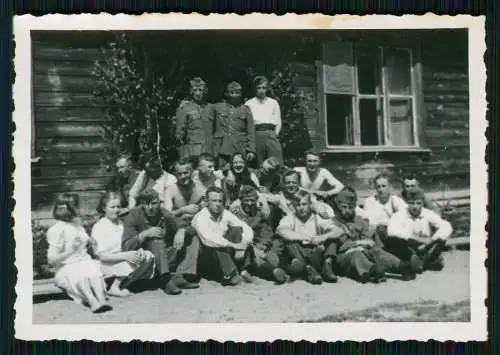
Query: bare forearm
113	257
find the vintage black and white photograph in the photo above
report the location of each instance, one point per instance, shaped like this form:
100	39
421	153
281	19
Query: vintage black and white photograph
250	175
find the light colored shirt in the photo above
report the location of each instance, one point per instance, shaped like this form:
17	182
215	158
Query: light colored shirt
160	185
324	177
314	226
212	231
265	111
403	225
379	213
108	236
60	238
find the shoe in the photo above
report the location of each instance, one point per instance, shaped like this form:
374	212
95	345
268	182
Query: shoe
328	274
182	283
408	276
232	281
246	276
171	288
296	266
378	278
312	276
100	308
416	264
280	276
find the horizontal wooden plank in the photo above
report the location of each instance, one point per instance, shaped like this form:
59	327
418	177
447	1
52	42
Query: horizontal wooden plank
64	185
63	68
45	146
458	98
71	171
68	114
48	82
68	129
444	133
450	124
57	158
438	87
444	75
43	51
303	68
42	202
45	287
449	142
67	99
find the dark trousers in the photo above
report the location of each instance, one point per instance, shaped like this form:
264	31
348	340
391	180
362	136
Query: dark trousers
218	262
171	261
360	262
267	145
429	257
264	266
313	255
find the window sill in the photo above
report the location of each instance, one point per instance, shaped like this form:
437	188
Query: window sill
374	149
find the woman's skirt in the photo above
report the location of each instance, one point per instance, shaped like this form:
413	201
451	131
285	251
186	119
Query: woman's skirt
123	269
71	277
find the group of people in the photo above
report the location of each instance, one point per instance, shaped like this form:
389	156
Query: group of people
215	217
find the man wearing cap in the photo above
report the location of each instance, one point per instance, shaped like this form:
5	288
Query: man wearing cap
310	241
418	232
151	227
358	255
234	127
267	115
224	237
263	258
193	122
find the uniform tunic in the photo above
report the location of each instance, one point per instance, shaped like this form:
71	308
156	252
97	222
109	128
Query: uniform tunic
234	130
194	129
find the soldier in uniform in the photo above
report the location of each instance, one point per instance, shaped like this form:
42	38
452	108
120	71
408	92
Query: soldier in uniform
234	127
194	125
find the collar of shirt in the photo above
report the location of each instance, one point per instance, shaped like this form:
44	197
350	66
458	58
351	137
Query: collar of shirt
219	219
420	216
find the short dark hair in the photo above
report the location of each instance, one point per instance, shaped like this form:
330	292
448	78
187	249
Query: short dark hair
207	157
301	194
410	176
126	156
260	79
106	197
381	176
147	195
215	189
312	151
71	201
290	173
184	161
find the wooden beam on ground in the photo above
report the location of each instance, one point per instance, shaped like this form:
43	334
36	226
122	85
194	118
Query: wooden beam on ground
45	287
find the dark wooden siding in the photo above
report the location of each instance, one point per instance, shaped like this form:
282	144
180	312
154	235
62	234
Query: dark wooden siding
69	139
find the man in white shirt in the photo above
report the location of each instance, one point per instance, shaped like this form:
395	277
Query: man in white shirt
310	241
153	176
267	118
319	181
380	207
224	237
418	232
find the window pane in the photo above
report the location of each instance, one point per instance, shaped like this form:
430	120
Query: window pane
338	67
368	62
371	121
339	119
398	71
401	122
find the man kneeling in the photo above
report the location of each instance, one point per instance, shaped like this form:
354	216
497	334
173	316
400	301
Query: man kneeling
152	228
411	235
263	257
310	241
225	238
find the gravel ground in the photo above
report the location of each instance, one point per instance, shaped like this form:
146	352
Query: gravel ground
262	301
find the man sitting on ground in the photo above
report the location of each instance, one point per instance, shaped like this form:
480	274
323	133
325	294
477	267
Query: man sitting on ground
184	198
224	236
418	232
410	182
380	207
151	227
205	175
358	256
309	240
264	258
153	176
318	181
124	178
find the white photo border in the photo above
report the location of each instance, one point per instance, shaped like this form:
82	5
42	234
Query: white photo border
476	329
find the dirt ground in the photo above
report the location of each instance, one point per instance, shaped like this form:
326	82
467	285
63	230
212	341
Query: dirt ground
439	293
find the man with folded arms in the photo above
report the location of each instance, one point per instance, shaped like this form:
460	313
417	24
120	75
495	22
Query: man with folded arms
418	233
358	255
263	258
310	241
151	227
224	237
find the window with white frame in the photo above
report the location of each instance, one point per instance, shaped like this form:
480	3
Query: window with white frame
369	96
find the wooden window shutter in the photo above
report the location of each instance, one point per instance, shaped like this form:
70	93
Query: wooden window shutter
338	68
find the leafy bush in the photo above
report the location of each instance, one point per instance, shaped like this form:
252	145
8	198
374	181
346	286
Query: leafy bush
40	245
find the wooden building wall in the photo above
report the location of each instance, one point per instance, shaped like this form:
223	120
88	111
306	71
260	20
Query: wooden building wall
68	138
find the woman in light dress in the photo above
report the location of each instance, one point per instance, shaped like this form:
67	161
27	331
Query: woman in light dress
124	266
76	272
